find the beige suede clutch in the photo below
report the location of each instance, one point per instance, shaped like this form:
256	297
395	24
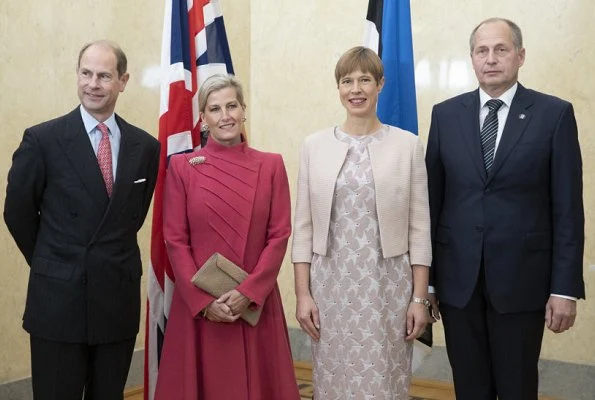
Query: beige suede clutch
217	276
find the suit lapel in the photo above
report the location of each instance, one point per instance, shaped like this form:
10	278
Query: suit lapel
514	127
127	161
77	148
469	123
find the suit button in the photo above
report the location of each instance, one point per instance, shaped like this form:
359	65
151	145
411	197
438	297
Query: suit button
479	229
487	190
84	280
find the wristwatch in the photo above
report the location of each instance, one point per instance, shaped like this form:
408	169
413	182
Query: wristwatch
419	300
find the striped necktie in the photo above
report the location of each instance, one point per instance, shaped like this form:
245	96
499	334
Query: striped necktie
488	134
104	158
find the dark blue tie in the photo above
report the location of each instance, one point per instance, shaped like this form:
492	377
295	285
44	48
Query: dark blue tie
488	134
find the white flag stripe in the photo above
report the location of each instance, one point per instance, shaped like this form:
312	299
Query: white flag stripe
179	142
209	13
169	292
200	43
152	361
155	299
204	71
371	36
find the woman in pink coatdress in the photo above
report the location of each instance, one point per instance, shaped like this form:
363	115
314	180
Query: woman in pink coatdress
234	200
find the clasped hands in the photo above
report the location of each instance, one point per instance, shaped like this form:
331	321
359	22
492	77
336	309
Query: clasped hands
227	308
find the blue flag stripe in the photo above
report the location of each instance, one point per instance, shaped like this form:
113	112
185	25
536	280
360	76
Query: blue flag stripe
217	46
397	103
180	38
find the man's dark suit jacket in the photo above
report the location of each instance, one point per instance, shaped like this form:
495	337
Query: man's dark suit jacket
84	284
525	219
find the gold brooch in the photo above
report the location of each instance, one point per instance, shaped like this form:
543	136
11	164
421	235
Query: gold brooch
197	160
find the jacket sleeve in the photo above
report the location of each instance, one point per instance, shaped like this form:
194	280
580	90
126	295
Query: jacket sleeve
568	217
436	178
263	278
176	232
24	193
301	250
420	248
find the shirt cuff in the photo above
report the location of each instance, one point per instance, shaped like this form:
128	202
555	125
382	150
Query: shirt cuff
564	297
431	289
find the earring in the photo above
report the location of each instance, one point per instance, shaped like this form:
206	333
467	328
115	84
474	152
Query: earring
243	119
204	127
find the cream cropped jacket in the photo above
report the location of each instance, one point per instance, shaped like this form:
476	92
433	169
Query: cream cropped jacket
400	181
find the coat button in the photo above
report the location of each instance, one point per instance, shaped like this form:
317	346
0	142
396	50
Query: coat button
479	229
84	280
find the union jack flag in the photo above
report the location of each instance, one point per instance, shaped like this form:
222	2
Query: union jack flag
194	47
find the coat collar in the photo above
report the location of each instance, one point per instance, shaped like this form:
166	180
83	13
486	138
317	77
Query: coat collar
228	179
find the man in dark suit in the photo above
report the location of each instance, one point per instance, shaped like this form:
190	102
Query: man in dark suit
507	229
78	192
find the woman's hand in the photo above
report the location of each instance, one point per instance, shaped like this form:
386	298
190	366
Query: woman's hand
237	302
219	312
307	315
417	319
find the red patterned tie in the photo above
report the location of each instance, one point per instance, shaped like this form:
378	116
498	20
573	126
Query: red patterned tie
104	158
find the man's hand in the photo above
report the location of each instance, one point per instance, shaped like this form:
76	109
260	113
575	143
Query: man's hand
560	314
434	310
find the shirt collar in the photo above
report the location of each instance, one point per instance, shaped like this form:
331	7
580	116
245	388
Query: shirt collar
506	97
91	123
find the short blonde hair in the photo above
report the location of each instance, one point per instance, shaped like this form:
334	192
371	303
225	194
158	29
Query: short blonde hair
217	82
359	58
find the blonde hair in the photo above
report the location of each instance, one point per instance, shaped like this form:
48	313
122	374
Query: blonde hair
359	58
217	82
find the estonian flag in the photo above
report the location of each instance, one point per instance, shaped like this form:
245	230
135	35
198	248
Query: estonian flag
388	32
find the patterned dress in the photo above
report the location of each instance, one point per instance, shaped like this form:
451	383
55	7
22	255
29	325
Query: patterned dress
362	297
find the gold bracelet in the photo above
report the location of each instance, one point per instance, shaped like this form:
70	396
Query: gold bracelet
204	312
419	300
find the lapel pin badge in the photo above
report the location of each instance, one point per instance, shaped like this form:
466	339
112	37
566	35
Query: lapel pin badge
197	160
522	116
